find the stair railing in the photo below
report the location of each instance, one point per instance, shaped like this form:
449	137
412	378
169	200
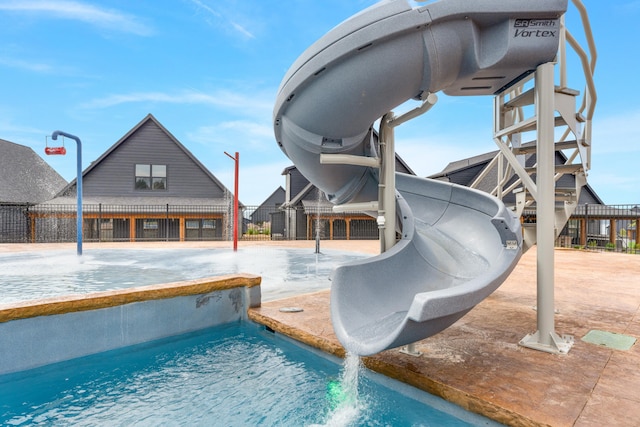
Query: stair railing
585	112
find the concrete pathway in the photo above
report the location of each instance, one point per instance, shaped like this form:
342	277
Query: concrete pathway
478	364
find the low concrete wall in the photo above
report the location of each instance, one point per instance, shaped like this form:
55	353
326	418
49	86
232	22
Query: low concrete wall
37	333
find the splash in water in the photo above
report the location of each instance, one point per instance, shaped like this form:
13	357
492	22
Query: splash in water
344	405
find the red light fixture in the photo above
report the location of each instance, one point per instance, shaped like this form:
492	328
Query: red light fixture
50	151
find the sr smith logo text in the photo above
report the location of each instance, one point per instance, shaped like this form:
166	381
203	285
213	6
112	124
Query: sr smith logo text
526	28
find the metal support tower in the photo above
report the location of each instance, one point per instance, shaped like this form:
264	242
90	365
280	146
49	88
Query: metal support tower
545	338
536	186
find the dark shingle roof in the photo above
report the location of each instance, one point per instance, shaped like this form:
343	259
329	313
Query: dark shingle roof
465	171
25	177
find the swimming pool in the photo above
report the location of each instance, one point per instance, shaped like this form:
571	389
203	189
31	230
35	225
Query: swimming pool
42	274
234	375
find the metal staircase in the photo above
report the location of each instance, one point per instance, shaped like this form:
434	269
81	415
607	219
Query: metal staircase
518	117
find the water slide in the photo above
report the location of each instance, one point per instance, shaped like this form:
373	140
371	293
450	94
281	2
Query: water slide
456	245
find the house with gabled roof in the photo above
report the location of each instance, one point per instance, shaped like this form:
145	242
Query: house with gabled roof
25	180
260	220
147	186
581	227
467	171
306	212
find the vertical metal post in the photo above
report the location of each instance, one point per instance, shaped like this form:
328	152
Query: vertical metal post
545	339
54	136
79	196
387	185
387	180
166	227
586	225
387	196
100	224
637	234
236	159
546	201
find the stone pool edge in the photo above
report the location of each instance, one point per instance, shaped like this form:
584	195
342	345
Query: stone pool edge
326	342
40	332
104	299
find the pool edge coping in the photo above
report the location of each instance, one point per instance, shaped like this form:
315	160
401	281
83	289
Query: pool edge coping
105	299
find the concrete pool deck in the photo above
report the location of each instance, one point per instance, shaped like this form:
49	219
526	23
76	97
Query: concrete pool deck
478	364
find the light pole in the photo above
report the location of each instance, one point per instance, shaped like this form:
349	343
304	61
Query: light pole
54	136
236	159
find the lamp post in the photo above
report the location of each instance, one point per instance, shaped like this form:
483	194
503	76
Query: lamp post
236	159
54	136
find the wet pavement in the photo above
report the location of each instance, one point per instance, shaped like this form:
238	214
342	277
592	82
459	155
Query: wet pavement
478	364
53	271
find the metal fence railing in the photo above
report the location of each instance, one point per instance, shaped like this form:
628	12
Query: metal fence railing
600	227
109	223
595	227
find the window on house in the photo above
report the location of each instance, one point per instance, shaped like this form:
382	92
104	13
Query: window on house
192	224
151	177
150	224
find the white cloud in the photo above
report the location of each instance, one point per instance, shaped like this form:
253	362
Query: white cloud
37	67
226	20
8	127
615	188
238	133
631	6
40	67
615	152
221	99
242	30
431	153
616	134
75	10
257	181
248	128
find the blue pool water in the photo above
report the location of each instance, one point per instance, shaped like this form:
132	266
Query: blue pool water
234	375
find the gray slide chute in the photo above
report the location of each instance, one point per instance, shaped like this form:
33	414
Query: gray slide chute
457	245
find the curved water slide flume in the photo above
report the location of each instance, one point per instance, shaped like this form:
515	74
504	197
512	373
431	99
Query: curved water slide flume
457	245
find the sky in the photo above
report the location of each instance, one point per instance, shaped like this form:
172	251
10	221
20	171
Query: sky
209	71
